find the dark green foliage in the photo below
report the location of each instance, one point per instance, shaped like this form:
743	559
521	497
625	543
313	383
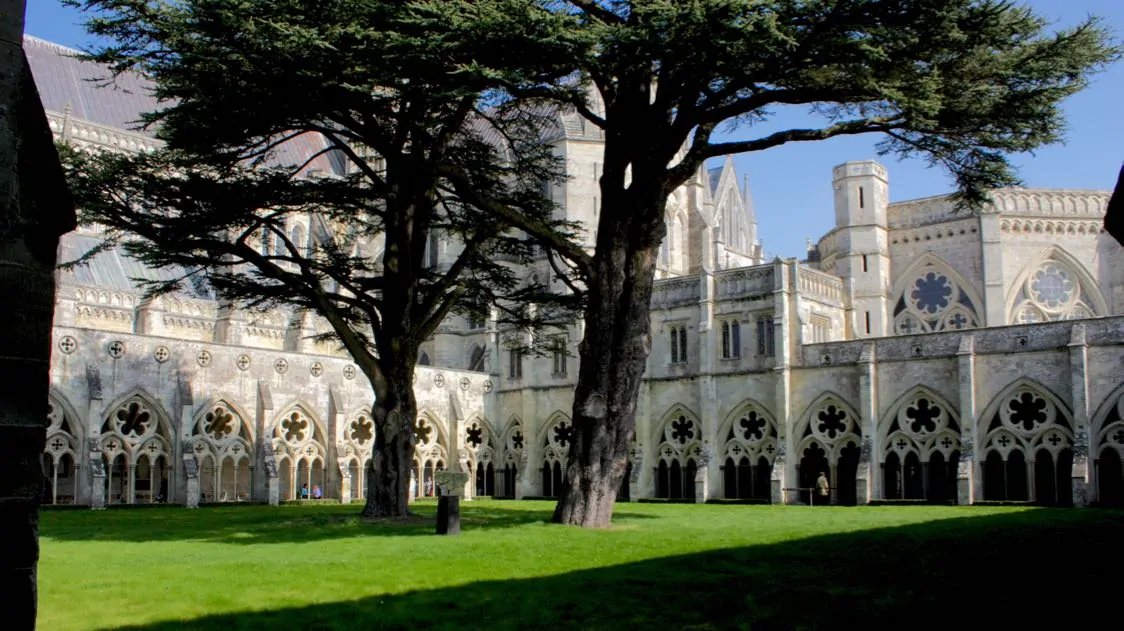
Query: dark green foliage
400	101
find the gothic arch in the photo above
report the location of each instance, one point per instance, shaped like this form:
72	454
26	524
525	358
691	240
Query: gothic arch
1027	445
482	453
938	419
136	442
920	447
162	417
930	295
512	457
1073	293
222	441
431	454
62	451
749	440
233	405
678	439
300	447
554	440
1107	450
829	441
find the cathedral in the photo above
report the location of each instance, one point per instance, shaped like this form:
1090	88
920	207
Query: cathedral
914	353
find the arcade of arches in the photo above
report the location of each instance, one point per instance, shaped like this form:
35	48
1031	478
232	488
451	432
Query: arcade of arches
1027	449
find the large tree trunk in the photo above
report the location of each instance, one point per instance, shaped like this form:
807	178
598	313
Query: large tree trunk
388	475
613	354
34	211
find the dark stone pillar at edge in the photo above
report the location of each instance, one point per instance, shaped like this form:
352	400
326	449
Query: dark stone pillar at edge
448	515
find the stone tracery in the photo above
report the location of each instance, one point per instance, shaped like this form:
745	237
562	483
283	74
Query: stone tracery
829	443
60	456
679	440
222	444
921	449
136	446
299	451
1028	448
934	299
1054	290
555	448
430	455
749	450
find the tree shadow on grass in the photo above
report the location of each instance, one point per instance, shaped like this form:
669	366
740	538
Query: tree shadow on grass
1018	569
279	524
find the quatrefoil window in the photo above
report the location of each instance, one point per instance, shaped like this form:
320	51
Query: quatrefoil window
923	416
832	421
753	426
423	430
1029	411
517	440
682	430
563	434
219	423
134	419
474	435
294	427
362	430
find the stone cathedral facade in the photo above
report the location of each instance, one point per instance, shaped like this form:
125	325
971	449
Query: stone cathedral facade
915	353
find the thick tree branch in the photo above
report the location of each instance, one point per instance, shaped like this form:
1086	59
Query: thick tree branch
846	128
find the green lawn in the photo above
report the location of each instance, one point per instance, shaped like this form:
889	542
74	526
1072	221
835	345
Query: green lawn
661	566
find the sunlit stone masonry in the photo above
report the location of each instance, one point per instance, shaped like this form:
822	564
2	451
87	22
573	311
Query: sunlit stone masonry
914	353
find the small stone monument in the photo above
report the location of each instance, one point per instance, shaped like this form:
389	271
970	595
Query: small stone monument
449	503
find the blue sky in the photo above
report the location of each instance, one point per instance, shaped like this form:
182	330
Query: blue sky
791	185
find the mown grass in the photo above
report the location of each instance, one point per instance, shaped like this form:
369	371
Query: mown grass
660	566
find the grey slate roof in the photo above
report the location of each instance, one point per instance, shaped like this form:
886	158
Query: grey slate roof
65	81
114	269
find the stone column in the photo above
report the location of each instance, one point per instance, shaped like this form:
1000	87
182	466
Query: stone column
97	474
867	484
192	491
521	475
991	245
345	479
968	483
1084	491
702	476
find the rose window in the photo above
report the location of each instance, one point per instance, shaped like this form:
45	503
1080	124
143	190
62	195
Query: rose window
1053	292
931	293
423	431
933	301
1052	286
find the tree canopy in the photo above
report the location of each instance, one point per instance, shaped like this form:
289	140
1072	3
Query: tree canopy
960	84
373	126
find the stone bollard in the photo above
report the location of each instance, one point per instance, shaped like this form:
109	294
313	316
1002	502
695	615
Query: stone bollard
449	515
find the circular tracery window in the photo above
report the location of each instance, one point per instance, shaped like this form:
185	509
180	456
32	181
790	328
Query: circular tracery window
1051	292
1052	286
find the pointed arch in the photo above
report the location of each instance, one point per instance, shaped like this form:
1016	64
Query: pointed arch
307	410
1023	383
748	440
556	417
1024	304
1027	445
62	451
1105	411
933	417
239	412
930	295
662	428
435	421
163	418
824	400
